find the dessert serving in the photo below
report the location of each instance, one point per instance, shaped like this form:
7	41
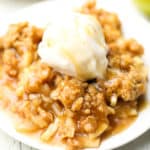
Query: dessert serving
74	82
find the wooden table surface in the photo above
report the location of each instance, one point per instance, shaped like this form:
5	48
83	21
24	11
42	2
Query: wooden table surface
8	143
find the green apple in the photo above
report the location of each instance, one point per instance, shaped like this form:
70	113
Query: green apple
144	6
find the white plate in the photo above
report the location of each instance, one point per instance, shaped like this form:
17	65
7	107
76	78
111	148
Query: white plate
133	26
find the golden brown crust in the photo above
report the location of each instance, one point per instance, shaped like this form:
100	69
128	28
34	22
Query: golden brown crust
109	21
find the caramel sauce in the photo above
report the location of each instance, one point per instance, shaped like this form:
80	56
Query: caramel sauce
118	125
82	74
143	103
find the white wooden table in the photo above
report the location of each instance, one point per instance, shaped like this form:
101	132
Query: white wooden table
6	142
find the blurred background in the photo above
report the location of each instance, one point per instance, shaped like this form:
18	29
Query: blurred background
143	6
8	6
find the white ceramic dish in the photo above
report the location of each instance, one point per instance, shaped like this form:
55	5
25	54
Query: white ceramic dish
133	26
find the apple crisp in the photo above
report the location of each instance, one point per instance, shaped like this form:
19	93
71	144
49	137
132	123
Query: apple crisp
74	112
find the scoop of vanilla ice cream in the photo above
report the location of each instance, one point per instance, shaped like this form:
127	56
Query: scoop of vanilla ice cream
74	44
